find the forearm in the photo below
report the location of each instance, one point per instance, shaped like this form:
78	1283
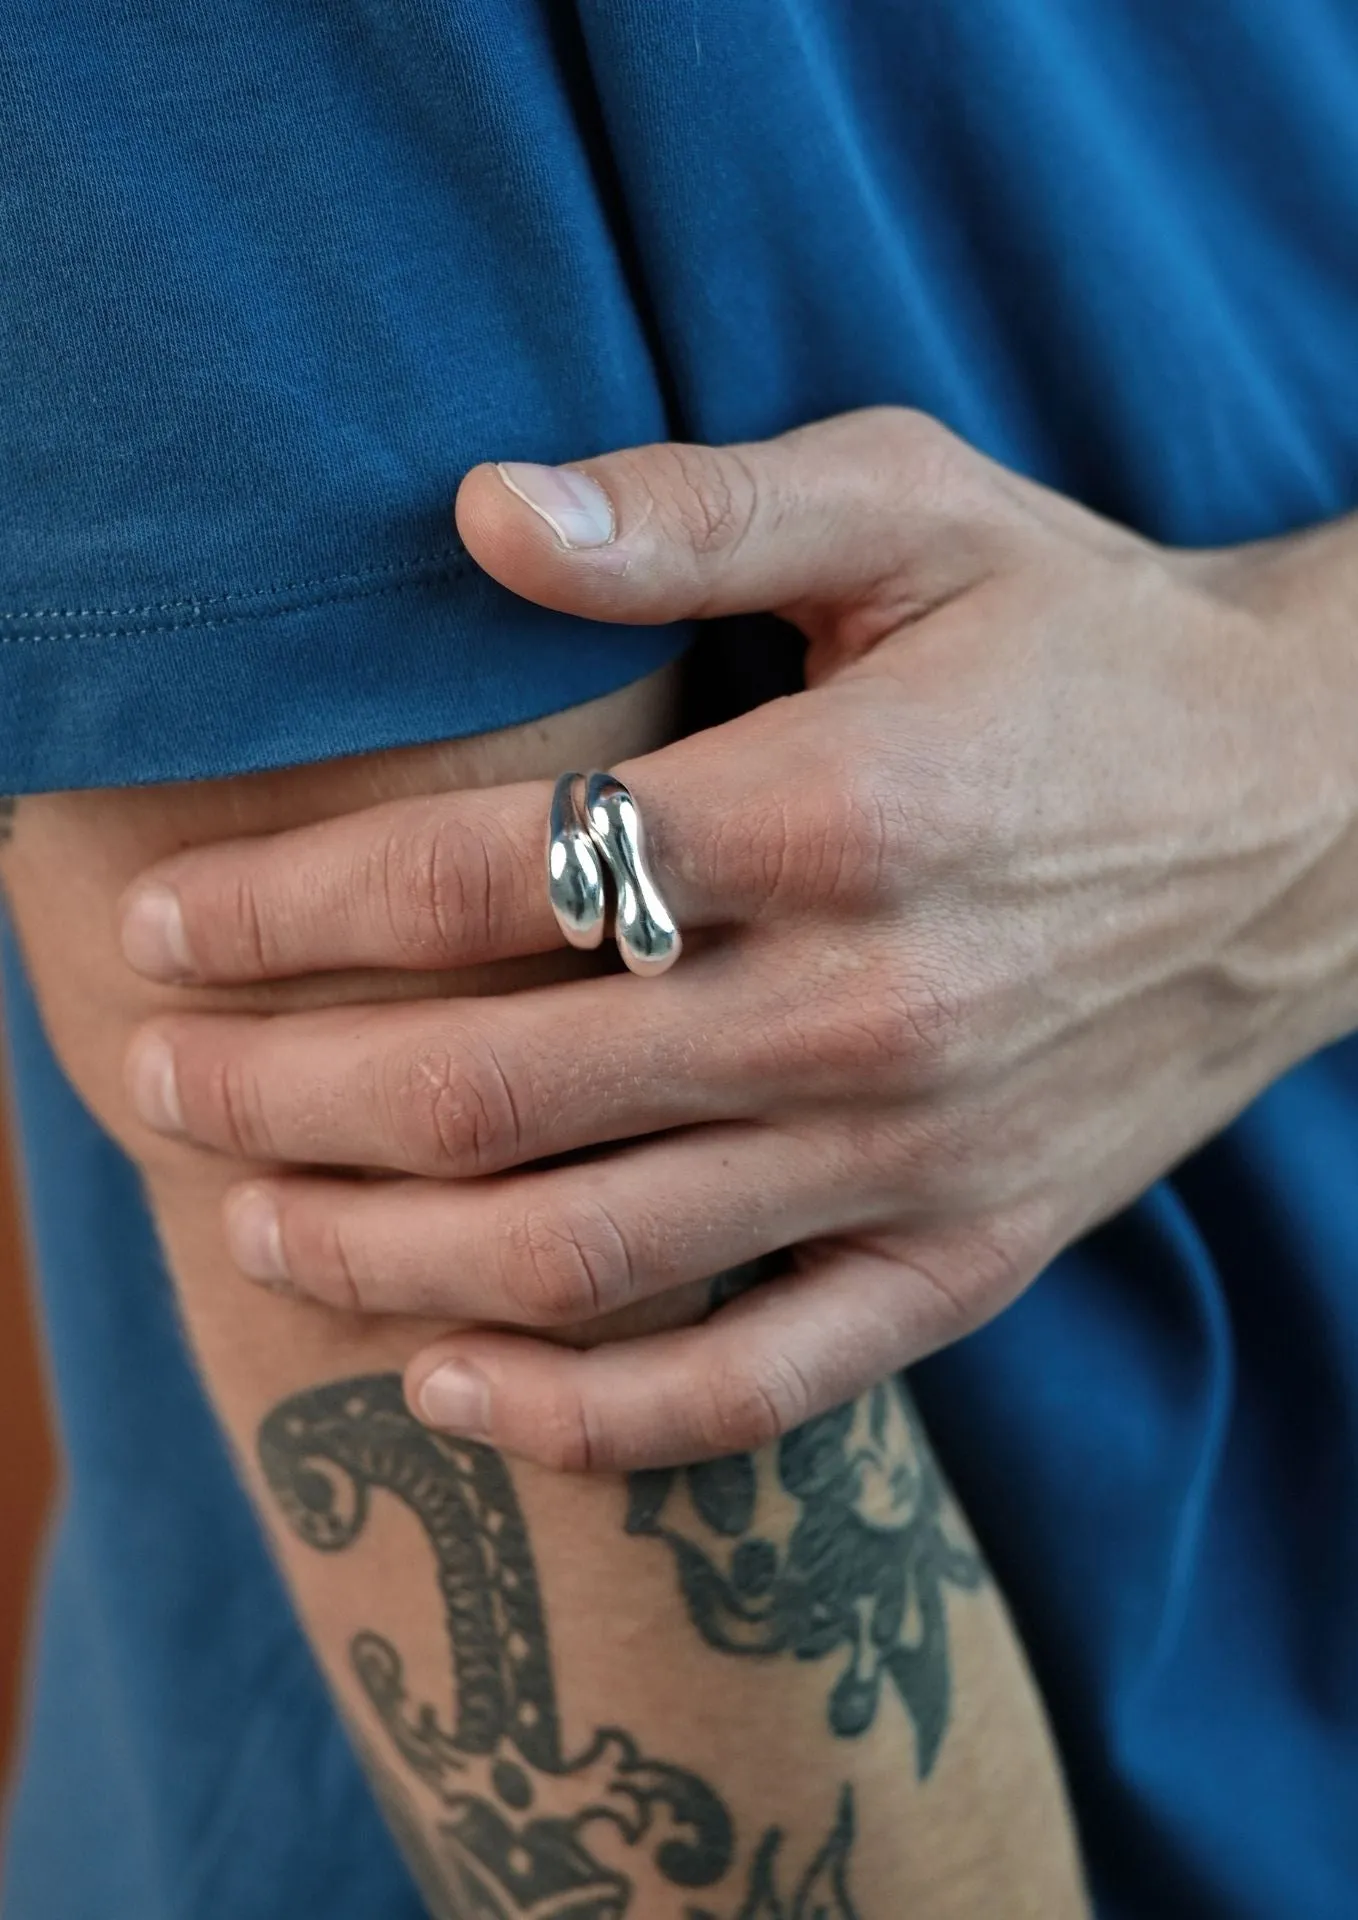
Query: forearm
677	1669
584	1644
557	1628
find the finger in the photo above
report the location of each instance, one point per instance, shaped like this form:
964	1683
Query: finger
443	881
740	820
767	1363
464	1087
547	1248
879	499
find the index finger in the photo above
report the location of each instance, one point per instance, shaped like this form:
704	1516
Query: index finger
446	880
435	882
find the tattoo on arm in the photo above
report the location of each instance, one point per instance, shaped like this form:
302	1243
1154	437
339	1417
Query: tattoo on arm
9	806
500	1817
834	1543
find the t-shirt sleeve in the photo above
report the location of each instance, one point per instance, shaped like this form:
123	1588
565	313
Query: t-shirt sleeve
275	278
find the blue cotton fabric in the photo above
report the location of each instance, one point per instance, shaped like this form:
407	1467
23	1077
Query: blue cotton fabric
272	277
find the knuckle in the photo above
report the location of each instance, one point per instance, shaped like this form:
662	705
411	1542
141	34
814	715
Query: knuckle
432	889
913	428
972	1273
448	883
933	1147
916	1025
711	496
965	1282
249	923
419	1111
563	1439
910	456
838	841
452	1112
493	1117
330	1252
764	851
418	885
1003	1253
234	1096
749	1406
855	835
887	1033
1040	1228
567	1264
921	442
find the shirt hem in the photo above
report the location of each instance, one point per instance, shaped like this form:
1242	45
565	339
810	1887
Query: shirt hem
437	655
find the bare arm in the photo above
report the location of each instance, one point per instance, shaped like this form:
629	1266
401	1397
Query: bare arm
580	1691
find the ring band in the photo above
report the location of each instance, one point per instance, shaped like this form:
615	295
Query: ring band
593	843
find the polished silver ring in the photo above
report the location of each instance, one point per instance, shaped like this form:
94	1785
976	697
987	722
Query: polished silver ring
594	841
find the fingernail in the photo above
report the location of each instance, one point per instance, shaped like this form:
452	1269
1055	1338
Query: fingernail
155	1085
456	1399
153	935
254	1235
575	507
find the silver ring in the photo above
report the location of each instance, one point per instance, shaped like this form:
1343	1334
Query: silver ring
597	841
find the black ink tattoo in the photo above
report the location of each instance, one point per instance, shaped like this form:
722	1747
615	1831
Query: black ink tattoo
824	1890
838	1540
9	806
398	1811
515	1816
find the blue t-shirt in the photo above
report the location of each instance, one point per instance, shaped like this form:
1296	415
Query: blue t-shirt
274	275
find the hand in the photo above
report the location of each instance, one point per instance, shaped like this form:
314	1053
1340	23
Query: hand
1026	896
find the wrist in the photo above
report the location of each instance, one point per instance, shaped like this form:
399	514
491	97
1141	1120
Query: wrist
1298	595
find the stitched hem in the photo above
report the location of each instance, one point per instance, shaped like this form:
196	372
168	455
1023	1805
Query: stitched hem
250	603
387	663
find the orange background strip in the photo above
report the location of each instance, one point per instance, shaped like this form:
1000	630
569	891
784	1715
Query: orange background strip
27	1466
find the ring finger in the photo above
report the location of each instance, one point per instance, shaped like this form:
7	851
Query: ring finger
467	1087
556	1246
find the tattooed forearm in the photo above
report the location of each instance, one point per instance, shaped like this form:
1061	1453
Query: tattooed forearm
500	1816
834	1545
403	1823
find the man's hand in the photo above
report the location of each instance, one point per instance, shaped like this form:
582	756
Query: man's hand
1048	873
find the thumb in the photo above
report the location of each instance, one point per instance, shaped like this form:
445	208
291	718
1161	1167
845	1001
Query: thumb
878	504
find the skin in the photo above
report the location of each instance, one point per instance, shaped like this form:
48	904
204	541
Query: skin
951	1785
1045	877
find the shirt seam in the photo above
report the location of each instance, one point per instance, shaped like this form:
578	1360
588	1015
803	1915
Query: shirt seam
416	573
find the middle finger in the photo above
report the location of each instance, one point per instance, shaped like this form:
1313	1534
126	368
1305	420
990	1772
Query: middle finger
558	1247
459	1088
